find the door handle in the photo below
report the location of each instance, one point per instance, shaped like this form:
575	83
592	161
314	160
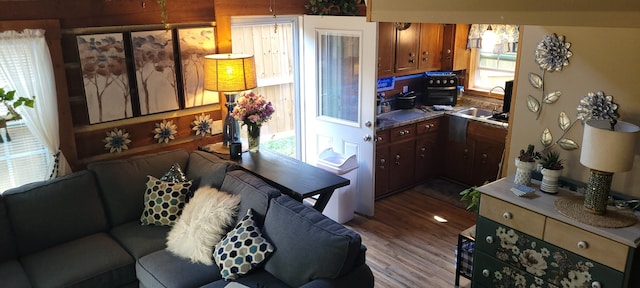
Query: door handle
367	138
368	124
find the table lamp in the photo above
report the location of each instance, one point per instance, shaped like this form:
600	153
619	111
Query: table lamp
606	148
230	74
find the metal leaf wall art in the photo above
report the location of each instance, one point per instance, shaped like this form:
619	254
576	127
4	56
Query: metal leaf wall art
565	125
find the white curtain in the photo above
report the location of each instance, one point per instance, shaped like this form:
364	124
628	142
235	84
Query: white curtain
506	37
25	60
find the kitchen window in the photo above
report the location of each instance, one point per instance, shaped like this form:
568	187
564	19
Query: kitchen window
493	57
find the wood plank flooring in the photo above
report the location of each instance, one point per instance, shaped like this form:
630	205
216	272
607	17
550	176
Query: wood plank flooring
406	246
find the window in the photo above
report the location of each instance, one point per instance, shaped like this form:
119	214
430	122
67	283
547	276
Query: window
275	47
493	57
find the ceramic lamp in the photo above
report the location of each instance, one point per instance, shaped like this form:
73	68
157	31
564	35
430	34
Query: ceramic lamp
605	151
230	74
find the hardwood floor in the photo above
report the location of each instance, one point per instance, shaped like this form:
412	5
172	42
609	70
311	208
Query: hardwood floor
406	246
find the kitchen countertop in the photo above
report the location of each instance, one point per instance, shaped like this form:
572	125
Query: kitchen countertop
397	118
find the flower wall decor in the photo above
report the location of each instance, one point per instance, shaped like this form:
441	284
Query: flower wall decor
165	131
117	140
203	125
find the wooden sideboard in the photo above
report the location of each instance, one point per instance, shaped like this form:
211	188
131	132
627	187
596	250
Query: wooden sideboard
526	242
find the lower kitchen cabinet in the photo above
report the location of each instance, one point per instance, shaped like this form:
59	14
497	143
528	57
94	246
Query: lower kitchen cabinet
526	242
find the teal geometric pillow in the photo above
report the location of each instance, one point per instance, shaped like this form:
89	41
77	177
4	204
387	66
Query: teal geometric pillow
242	249
163	201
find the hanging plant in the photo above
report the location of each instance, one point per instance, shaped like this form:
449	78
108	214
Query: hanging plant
163	12
332	7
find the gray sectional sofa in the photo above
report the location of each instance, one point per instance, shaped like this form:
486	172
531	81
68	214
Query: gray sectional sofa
83	230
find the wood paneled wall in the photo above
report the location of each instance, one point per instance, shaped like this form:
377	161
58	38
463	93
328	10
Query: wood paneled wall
82	143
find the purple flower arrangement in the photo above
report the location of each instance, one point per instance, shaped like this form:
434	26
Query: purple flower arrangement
252	109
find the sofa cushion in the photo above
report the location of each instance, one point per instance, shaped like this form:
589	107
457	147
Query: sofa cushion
163	269
140	240
13	275
93	261
242	249
122	182
205	220
257	278
8	248
255	193
206	169
163	201
48	213
309	246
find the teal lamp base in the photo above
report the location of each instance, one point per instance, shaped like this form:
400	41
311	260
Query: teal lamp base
597	194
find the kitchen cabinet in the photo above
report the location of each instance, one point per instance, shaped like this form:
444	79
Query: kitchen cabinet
479	157
428	152
402	157
525	239
430	56
409	51
382	164
455	55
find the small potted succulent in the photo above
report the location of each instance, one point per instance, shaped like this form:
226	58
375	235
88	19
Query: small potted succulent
552	167
525	164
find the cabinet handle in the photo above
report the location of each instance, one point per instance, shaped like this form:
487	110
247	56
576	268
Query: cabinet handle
596	284
507	215
465	150
378	139
423	149
448	51
412	60
382	161
489	239
583	245
398	157
486	273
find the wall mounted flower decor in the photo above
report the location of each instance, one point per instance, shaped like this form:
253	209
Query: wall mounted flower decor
203	125
117	140
165	131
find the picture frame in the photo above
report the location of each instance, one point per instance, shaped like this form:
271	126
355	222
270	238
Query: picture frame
105	76
195	43
155	71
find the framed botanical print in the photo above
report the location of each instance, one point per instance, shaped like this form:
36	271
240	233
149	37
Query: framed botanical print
105	76
155	71
194	44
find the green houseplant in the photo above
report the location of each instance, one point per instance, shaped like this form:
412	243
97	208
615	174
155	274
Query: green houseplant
552	167
471	195
332	7
8	98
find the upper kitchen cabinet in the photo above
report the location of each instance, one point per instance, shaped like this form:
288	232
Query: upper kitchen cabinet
386	49
430	56
408	50
455	55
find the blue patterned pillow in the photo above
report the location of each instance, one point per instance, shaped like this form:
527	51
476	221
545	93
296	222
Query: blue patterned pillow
163	201
242	249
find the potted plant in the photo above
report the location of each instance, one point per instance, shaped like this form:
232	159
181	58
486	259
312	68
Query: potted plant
10	101
552	166
471	195
525	164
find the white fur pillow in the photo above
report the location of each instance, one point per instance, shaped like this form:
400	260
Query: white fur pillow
203	223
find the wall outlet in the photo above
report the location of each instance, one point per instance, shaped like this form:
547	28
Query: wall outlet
405	89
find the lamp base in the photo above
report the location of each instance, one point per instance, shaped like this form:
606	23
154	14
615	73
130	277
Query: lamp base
597	193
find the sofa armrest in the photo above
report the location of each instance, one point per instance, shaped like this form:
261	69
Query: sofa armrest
360	277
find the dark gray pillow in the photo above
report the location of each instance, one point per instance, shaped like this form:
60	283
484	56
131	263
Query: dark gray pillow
308	244
254	192
206	169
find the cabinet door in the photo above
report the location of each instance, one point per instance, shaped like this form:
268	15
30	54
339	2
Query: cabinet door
407	47
402	164
382	171
459	161
427	158
455	55
488	158
430	57
386	48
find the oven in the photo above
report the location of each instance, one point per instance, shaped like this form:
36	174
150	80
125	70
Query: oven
441	89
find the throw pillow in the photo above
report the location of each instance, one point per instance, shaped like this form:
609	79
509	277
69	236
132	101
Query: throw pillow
204	221
163	201
242	249
175	174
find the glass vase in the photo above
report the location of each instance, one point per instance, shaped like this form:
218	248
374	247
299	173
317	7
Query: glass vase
253	135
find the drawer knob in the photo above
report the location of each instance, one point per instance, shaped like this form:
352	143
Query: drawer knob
486	273
507	215
596	284
489	239
583	245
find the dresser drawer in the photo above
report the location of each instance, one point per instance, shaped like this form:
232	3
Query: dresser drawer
403	133
586	244
428	126
513	216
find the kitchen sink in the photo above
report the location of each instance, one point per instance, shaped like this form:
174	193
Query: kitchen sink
476	112
402	115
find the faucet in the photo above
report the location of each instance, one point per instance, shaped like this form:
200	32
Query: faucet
495	108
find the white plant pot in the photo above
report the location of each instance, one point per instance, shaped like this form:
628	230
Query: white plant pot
523	172
550	180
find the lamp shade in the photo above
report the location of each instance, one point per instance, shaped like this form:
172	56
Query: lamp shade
606	150
229	72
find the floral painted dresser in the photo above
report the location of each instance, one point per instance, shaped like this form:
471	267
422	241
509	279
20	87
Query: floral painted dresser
526	242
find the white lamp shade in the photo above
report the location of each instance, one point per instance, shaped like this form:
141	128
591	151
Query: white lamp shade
229	72
607	150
